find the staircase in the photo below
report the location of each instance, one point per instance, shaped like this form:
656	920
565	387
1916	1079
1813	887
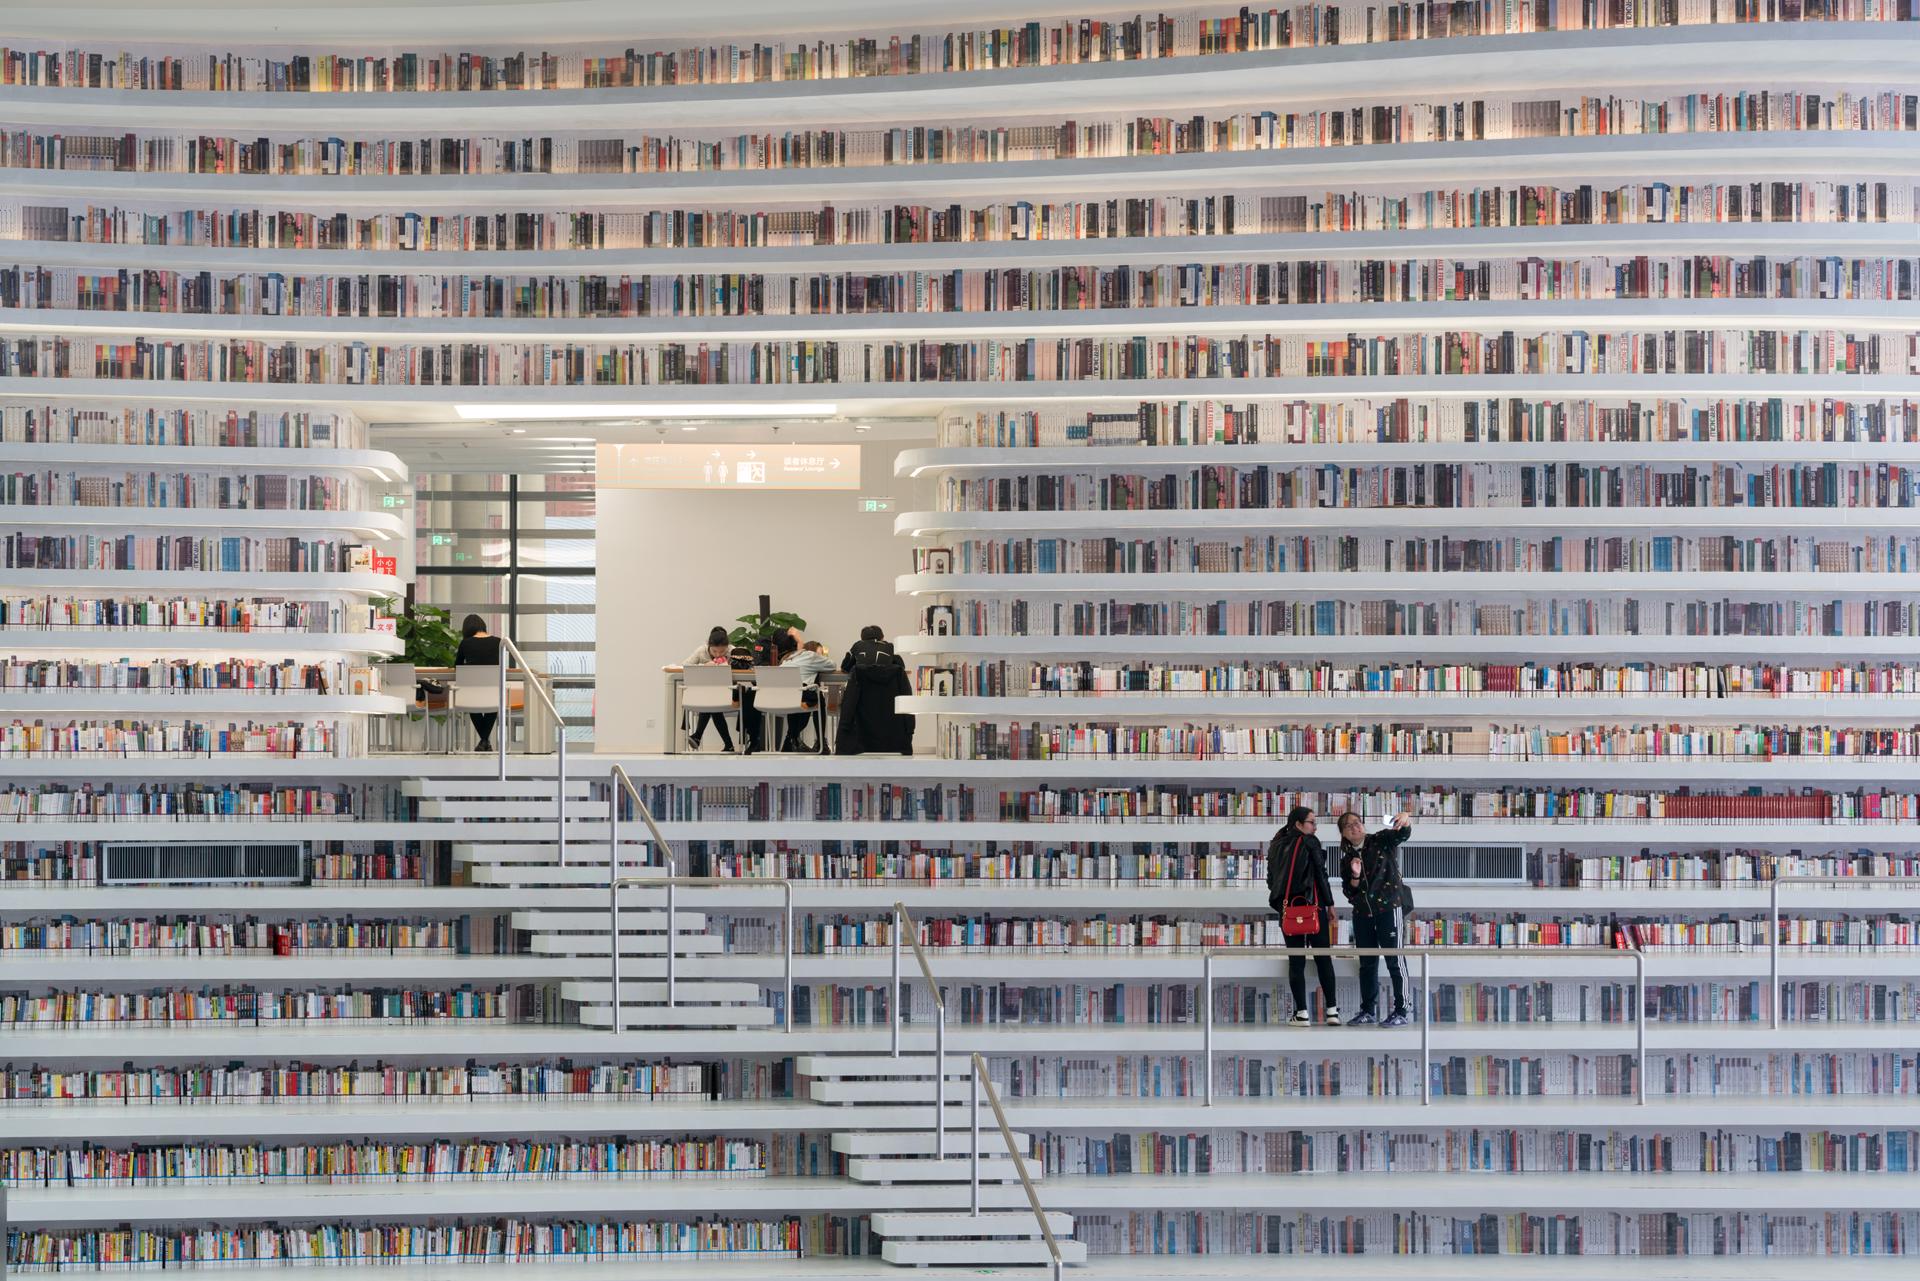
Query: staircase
526	854
1004	1232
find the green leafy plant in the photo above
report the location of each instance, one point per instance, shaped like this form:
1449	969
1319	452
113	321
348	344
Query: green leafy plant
426	633
752	630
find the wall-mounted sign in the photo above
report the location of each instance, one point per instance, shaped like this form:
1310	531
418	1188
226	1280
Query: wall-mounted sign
873	503
776	466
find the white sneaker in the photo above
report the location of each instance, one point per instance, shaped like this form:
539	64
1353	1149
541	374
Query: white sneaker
1333	1016
1300	1019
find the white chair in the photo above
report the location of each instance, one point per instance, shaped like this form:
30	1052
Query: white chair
778	692
708	689
398	680
476	689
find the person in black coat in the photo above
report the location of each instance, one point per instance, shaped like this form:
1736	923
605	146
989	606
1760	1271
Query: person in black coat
1370	878
1297	874
479	648
873	642
868	722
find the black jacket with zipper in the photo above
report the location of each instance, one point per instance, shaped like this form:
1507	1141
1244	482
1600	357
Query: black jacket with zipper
1376	887
1309	863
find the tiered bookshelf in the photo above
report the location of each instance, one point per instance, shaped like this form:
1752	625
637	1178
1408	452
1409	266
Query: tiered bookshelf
1174	255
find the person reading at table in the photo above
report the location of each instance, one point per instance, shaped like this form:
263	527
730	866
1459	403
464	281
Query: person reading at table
717	652
479	649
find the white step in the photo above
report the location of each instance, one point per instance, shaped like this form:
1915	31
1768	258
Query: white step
650	986
713	1016
586	847
899	1224
886	1092
924	1169
531	808
920	1142
518	876
977	1253
493	788
630	944
831	1067
632	920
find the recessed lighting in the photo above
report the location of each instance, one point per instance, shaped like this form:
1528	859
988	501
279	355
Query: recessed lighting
516	431
689	428
687	409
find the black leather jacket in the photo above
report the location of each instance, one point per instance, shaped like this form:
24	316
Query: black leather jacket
1375	887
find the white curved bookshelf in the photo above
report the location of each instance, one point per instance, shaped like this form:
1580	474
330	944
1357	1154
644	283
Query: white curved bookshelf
1627	157
375	463
1490	517
1298	318
298	583
121	640
1252	706
193	702
1314	74
1491	241
1522	647
1422	586
382	525
960	458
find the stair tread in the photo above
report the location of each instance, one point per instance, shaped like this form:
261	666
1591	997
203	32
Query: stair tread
643	1016
638	920
965	1252
926	1169
631	944
904	1066
920	1143
908	1223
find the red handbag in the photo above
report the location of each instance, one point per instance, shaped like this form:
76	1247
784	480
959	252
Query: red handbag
1298	919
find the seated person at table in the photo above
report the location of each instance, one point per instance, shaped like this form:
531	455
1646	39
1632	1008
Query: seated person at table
478	649
717	652
789	653
868	721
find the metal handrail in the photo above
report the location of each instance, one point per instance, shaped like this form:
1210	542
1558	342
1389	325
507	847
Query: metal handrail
616	883
1773	924
1425	955
618	780
532	682
981	1080
903	923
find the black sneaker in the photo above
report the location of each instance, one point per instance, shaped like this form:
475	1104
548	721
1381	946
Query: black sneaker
1364	1018
1396	1019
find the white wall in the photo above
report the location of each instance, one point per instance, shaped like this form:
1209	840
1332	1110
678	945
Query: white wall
674	563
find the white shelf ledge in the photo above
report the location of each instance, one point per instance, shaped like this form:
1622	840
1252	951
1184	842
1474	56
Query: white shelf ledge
1522	647
1637	157
208	520
157	640
299	585
1433	707
1424	585
1303	318
1871	519
972	458
27	702
376	463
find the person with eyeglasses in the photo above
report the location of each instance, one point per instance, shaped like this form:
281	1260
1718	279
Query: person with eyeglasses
1297	888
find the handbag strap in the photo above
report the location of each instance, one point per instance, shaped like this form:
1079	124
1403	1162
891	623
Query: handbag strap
1286	891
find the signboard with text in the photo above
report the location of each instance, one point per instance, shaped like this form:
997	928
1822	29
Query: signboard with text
776	466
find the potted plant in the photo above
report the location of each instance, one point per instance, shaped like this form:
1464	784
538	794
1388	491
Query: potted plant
426	634
755	630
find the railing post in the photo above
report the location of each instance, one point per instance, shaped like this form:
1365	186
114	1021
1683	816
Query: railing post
560	786
1426	1030
613	904
1640	1020
1206	1026
974	1163
786	893
939	1082
893	993
503	726
670	947
1773	950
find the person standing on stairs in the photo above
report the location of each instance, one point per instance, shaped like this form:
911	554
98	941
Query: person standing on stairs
1298	890
479	649
1370	878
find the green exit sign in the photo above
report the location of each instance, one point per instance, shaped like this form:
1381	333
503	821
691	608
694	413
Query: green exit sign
875	504
393	502
442	540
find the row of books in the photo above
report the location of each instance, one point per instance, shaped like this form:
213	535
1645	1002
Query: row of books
1449	420
161	1006
1493	1150
442	1241
1053	42
186	613
227	554
190	798
985	740
292	1083
1584	353
368	1161
235	225
1553	616
1439	554
1229	487
83	736
26	865
1492	118
226	934
222	491
152	426
248	675
1074	287
1605	1233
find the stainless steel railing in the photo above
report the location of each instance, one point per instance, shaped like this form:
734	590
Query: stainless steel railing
982	1082
903	923
1425	955
527	678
